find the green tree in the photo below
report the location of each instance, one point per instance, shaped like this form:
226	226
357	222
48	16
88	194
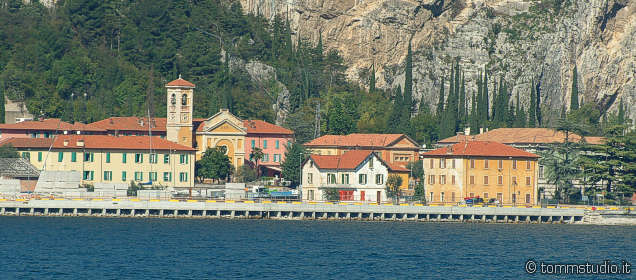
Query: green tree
295	155
420	193
8	151
246	173
393	184
532	112
214	164
408	82
440	101
255	156
574	96
416	169
425	126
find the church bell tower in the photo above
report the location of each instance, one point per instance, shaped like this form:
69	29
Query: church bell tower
180	96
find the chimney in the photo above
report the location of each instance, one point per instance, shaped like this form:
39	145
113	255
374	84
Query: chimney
481	130
140	122
467	130
65	132
80	142
78	132
449	150
486	129
66	143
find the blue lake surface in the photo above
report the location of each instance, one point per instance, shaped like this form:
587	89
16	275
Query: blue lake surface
122	248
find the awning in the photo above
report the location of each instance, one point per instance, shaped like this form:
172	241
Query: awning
277	169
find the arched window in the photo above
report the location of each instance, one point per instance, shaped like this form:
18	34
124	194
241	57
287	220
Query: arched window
173	99
184	99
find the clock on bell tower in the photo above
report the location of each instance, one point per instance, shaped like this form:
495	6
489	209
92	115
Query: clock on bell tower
179	99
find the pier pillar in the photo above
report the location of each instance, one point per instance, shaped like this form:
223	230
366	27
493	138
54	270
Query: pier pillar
2	210
516	218
17	211
313	215
118	212
232	214
189	213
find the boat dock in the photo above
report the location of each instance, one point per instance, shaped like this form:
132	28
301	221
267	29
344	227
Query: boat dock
286	210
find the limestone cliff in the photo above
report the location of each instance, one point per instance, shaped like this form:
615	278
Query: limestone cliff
515	39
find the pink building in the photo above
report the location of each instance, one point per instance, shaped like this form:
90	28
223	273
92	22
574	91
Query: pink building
272	139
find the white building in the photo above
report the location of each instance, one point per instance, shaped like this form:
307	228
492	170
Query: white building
355	175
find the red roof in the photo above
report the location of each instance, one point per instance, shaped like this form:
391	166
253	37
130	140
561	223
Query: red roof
522	136
98	142
480	148
28	142
263	127
50	124
397	167
180	83
131	124
356	139
349	160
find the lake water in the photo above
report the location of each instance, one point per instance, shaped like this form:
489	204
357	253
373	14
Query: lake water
121	248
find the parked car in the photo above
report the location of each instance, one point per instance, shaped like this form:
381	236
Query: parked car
471	201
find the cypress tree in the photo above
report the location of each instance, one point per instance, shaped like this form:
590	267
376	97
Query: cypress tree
474	118
486	99
621	112
408	81
394	121
2	120
372	79
451	108
532	113
440	101
479	101
463	112
574	97
538	91
563	115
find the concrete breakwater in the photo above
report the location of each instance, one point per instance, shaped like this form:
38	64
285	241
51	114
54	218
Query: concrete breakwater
288	210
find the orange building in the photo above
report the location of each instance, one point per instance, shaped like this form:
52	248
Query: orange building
489	170
397	150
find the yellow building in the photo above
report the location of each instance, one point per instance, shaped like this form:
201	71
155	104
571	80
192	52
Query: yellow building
111	159
488	170
222	130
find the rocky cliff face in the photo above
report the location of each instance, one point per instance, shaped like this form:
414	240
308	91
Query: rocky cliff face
519	40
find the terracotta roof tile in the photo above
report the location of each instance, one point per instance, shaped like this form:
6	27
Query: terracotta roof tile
131	124
50	124
180	83
397	167
349	160
517	136
480	148
97	142
28	142
355	139
263	127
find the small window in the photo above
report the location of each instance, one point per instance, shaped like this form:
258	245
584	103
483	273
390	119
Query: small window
345	179
500	164
362	179
499	180
431	179
500	197
528	181
108	175
379	179
166	158
60	156
183	159
514	180
472	163
153	158
277	144
528	165
39	156
331	178
453	179
167	176
107	157
73	156
453	196
514	164
184	99
486	180
541	171
442	179
253	143
139	176
485	195
123	158
472	179
139	158
310	178
264	144
453	163
152	176
371	162
173	99
183	176
485	164
123	176
441	196
528	198
88	157
431	164
88	175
